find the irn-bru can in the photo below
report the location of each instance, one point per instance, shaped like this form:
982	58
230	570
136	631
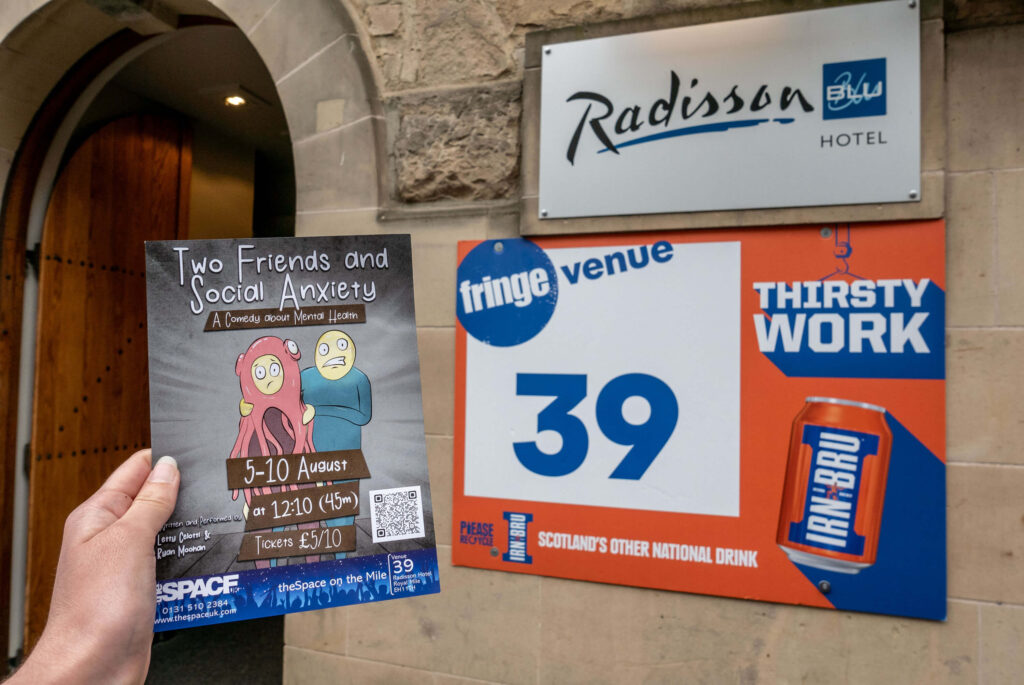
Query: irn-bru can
831	510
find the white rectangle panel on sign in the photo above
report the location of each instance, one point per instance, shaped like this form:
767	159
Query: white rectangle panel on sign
790	110
678	321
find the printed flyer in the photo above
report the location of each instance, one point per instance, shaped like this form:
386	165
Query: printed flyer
754	414
284	378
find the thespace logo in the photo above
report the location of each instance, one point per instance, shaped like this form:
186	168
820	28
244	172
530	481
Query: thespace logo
854	89
176	590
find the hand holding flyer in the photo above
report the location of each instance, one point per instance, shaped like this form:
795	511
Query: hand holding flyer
89	639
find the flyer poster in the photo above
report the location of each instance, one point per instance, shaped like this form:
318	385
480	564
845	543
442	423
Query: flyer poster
754	414
284	378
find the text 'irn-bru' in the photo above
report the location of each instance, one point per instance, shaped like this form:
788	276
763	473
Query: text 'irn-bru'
831	513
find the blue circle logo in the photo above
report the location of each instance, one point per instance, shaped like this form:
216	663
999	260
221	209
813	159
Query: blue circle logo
506	291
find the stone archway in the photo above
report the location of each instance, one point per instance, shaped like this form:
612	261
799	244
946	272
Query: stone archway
314	50
316	56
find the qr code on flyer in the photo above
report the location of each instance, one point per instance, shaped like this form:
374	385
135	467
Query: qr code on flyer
396	514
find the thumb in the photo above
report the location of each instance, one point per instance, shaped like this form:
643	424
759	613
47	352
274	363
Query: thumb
155	501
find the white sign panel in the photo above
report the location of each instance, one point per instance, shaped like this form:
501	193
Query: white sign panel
801	109
697	349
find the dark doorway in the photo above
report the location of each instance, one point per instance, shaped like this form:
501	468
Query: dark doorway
159	154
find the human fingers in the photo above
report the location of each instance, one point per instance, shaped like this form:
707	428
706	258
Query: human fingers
155	500
110	502
129	476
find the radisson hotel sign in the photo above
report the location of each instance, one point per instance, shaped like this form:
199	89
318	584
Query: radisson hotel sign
793	110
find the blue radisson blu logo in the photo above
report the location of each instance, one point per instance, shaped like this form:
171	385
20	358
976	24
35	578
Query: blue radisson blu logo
854	89
518	525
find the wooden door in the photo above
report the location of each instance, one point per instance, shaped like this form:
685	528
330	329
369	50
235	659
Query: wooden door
127	183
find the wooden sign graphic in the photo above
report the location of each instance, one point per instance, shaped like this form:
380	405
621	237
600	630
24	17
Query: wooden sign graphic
297	543
289	469
303	505
241	319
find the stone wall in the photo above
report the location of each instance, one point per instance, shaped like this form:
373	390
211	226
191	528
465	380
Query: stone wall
494	627
468	55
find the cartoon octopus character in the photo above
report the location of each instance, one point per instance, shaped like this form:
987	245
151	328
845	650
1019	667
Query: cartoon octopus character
274	418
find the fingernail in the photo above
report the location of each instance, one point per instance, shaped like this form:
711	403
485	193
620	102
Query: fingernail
164	471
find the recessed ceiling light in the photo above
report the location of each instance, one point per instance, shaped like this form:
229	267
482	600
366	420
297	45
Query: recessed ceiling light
234	101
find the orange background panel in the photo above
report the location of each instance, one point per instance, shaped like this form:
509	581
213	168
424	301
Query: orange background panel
768	404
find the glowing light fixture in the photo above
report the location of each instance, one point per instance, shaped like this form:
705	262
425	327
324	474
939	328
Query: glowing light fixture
234	101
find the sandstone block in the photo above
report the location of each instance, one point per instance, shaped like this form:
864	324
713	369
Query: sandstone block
294	30
986	532
968	14
933	95
970	250
985	77
483	625
503	224
23	29
330	114
531	133
324	631
337	169
437	373
456	145
383	20
434	241
592	633
26	79
551	14
462	42
17	11
362	222
327	91
985	391
439	461
434	248
1009	220
1002	634
15	120
305	667
245	13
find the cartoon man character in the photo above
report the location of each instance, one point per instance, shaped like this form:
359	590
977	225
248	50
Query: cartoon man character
340	395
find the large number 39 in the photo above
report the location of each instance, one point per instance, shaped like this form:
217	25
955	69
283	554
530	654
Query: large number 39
645	439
